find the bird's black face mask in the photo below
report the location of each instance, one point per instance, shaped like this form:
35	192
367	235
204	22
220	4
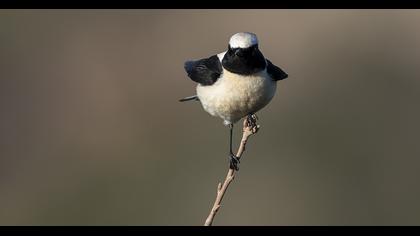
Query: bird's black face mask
244	61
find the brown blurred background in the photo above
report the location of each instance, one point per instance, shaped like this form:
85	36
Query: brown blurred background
92	133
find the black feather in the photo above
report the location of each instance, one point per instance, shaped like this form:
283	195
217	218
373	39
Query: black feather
190	98
244	61
205	71
275	72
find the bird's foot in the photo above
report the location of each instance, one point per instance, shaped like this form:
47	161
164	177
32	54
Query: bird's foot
234	162
251	120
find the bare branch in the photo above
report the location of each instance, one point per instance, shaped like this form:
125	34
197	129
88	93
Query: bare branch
248	130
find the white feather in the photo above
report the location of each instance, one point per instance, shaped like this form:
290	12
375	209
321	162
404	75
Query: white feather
243	40
234	96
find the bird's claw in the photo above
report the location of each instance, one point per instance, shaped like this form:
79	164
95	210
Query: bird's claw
251	120
234	162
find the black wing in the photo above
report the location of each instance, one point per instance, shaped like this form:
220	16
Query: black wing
275	72
205	71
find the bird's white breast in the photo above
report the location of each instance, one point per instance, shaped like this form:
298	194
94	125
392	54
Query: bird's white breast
234	96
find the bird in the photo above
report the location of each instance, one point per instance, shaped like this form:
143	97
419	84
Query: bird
234	84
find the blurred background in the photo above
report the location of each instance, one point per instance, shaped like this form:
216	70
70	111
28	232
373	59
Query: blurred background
92	133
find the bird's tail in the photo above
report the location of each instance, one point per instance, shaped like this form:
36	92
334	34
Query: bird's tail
195	98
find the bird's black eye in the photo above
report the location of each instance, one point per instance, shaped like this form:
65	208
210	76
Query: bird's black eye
231	51
240	52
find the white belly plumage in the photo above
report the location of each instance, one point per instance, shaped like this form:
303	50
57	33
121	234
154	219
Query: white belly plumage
234	96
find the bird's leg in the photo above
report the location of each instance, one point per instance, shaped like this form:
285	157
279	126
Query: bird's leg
233	160
251	119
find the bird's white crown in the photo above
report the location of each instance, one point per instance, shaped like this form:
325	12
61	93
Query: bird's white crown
243	40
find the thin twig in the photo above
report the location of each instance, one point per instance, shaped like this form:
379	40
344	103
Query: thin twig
247	131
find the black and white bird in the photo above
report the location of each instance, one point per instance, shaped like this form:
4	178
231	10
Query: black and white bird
236	83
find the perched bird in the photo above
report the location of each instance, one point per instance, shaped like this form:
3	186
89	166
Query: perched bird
236	83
